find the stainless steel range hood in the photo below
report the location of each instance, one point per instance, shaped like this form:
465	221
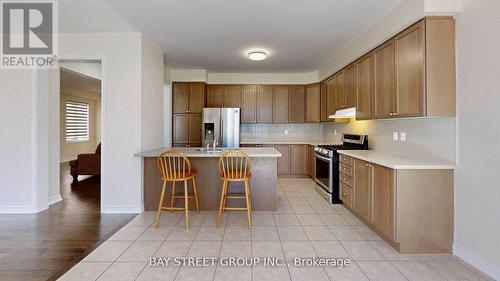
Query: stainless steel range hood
344	113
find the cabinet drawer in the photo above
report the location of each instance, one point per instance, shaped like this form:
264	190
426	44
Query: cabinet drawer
346	195
346	160
344	169
345	179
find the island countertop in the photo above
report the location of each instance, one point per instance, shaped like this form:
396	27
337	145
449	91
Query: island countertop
194	152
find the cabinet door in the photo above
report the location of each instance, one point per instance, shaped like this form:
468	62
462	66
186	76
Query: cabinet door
410	63
364	87
383	199
384	80
280	104
362	189
196	97
299	159
181	128
313	100
284	160
330	97
324	102
264	104
194	128
232	96
350	86
214	95
340	98
311	161
296	104
249	104
180	94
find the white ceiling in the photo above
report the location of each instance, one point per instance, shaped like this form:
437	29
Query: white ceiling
214	34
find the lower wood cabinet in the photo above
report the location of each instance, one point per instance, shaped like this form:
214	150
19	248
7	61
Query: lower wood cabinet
311	161
284	167
411	209
186	130
299	159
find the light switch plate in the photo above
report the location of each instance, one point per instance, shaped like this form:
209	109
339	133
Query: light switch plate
394	136
286	132
402	136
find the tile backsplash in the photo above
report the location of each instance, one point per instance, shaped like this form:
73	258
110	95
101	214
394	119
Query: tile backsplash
426	138
281	132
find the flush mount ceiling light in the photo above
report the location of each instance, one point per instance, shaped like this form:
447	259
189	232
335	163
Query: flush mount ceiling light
257	55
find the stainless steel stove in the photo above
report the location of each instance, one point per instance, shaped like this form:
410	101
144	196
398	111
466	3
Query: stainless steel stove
327	165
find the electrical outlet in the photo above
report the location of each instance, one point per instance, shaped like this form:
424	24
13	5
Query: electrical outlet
286	132
402	136
335	132
394	136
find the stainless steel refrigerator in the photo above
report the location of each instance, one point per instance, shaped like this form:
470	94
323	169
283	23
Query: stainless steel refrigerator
222	126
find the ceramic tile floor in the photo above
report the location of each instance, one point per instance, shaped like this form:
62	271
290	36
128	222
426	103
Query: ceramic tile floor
303	225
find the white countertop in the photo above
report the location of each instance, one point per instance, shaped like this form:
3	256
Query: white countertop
285	142
396	162
253	152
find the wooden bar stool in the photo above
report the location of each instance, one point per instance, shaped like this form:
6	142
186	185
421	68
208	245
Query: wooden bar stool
234	166
174	167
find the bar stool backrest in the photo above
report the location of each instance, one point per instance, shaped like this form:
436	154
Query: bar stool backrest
173	165
234	164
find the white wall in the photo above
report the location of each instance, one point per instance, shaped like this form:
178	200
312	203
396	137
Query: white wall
69	150
92	69
152	95
477	189
262	78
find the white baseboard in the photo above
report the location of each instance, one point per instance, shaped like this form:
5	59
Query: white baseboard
131	209
55	199
486	267
22	209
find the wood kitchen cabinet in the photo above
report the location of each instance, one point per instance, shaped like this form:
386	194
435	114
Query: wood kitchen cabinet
264	104
296	104
412	209
280	104
313	103
384	81
249	104
324	101
311	162
186	130
364	87
299	159
331	99
214	95
232	96
284	161
350	86
188	97
340	96
362	189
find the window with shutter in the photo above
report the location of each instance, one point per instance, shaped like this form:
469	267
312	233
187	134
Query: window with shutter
77	121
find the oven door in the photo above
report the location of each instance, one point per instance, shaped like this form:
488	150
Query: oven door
324	172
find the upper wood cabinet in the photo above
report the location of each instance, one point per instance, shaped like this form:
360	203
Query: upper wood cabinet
364	87
340	96
324	101
214	95
384	81
188	97
350	86
264	104
313	103
410	71
280	104
232	96
186	129
249	104
296	104
331	99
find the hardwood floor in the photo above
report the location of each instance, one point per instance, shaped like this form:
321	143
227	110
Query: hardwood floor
43	246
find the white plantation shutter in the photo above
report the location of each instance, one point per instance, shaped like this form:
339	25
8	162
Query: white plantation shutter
77	121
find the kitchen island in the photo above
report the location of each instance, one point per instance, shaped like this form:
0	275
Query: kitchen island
263	182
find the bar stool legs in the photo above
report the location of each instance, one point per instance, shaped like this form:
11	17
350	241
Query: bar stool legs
246	196
160	205
222	202
249	203
187	198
